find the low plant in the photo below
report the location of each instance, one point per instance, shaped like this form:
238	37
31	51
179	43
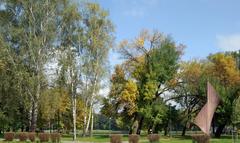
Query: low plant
117	138
153	138
201	138
9	136
43	137
31	136
55	137
134	138
22	136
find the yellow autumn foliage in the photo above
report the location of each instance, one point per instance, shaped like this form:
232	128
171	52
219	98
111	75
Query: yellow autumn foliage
140	42
224	67
129	96
130	92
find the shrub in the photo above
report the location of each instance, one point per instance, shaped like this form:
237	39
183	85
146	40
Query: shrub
55	137
31	136
9	136
133	138
116	138
22	136
153	137
201	138
43	137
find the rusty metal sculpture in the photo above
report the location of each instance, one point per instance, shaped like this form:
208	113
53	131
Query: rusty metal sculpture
204	117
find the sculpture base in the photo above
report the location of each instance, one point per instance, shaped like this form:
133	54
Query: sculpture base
203	138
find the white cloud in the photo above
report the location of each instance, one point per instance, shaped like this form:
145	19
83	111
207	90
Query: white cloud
228	42
138	8
134	12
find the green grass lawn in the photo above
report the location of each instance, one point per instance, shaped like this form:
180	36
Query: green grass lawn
176	140
143	139
95	138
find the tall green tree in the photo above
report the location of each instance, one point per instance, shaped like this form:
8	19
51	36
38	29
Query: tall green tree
224	72
151	62
30	34
189	90
75	36
69	54
98	40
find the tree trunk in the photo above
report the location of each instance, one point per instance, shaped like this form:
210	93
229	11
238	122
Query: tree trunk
35	102
154	130
58	121
89	119
213	126
91	106
49	124
84	126
140	126
74	117
135	126
131	129
74	101
91	130
84	120
184	130
34	114
165	130
220	130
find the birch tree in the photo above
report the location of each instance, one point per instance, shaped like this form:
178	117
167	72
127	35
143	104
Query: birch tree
98	37
31	32
35	32
69	53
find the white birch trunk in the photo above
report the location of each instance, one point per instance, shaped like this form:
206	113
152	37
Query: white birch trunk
91	130
85	113
89	118
74	106
86	129
35	104
74	118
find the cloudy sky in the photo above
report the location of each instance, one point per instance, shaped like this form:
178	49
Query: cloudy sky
204	26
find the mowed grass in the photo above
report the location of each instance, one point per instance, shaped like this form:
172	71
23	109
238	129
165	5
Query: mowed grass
177	140
95	138
143	139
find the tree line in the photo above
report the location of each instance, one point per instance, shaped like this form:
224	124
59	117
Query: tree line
53	58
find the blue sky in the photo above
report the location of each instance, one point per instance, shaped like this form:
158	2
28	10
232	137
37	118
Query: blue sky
204	26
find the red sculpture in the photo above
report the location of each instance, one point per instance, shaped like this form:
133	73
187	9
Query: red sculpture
204	117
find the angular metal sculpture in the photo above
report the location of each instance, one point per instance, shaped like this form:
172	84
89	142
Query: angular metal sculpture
204	117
